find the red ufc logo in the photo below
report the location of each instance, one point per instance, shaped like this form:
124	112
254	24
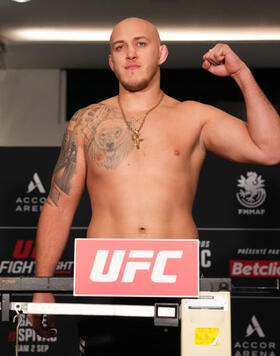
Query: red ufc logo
136	267
24	249
118	259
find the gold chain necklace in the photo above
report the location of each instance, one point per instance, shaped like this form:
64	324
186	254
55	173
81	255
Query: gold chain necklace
136	132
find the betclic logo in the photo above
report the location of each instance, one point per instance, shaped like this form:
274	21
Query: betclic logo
254	268
133	267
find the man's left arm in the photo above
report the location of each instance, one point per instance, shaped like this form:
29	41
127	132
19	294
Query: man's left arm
258	141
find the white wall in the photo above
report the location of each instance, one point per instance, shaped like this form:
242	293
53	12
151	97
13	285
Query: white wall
32	107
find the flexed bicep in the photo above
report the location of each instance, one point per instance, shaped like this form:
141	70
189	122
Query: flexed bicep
229	137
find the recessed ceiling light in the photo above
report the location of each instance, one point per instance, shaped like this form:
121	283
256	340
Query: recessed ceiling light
166	34
21	0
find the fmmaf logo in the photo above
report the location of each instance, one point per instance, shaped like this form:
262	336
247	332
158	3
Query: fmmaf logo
251	194
254	327
34	198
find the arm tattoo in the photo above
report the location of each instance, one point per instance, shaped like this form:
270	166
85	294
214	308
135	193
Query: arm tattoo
48	202
66	164
54	195
78	115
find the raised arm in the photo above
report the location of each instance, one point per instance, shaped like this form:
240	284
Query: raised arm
258	140
55	221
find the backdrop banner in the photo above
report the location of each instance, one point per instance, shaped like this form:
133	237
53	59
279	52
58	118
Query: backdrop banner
236	210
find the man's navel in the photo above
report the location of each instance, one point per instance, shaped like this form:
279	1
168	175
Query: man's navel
142	229
177	153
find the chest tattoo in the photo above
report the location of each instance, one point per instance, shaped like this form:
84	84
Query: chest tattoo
108	140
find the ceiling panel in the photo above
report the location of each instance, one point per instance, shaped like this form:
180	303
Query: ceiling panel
77	14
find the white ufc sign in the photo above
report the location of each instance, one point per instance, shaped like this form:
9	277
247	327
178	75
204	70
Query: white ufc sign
130	267
133	267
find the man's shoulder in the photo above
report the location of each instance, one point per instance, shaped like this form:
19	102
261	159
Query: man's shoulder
188	106
196	112
92	111
191	104
92	108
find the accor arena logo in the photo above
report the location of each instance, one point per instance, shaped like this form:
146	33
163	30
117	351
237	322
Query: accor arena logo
254	268
34	198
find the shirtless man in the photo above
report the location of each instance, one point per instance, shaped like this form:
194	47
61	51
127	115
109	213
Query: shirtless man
140	153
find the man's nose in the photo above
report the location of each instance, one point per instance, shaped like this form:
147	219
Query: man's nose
131	53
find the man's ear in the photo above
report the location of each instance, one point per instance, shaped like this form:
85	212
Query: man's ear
111	64
163	54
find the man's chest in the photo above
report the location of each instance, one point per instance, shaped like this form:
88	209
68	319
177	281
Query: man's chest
162	142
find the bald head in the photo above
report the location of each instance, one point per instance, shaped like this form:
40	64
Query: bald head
136	53
139	27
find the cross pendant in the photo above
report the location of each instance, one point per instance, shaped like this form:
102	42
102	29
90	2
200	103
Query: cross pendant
136	139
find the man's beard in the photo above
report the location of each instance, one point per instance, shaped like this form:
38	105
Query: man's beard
136	85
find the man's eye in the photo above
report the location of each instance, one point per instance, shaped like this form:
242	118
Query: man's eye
141	44
118	48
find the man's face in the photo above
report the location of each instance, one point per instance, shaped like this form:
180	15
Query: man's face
135	53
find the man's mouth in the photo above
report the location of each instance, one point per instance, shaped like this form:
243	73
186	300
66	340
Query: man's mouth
132	66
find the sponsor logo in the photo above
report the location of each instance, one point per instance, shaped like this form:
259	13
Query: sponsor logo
32	202
17	267
24	249
251	194
205	254
254	268
254	326
136	267
255	348
128	276
36	184
23	261
255	342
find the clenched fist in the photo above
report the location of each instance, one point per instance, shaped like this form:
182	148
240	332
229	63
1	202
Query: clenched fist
222	61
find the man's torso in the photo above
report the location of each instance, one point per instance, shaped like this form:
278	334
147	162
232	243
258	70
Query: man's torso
146	192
